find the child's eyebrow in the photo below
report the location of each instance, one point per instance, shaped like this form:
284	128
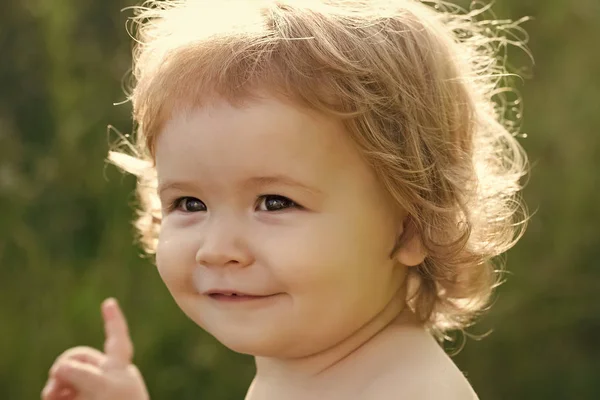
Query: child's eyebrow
253	182
259	181
163	187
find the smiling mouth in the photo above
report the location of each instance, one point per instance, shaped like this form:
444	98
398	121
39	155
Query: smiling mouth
233	297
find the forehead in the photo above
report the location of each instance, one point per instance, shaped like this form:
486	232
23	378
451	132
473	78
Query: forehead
259	135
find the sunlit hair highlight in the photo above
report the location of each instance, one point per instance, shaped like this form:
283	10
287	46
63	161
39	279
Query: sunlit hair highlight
418	86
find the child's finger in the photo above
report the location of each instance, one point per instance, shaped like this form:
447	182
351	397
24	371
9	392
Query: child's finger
117	346
82	377
56	390
50	391
87	355
66	393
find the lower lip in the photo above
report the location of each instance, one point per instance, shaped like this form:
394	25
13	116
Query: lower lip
237	299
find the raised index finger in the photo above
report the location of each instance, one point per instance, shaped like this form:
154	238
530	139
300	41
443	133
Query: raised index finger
117	346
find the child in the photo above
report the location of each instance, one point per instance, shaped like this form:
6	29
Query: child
324	184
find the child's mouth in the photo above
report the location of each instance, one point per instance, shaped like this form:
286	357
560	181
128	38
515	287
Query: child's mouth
236	297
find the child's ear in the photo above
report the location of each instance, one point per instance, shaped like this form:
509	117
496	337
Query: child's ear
409	249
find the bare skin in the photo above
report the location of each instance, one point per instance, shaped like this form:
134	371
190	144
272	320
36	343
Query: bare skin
84	373
392	363
273	202
399	361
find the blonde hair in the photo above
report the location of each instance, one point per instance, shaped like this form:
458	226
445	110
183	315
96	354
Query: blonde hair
416	86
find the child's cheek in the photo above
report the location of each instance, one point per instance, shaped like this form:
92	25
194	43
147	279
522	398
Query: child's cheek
174	260
304	256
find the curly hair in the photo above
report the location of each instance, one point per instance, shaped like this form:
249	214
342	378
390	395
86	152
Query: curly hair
418	87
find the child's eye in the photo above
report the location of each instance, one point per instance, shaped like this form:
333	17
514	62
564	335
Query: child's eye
272	202
189	204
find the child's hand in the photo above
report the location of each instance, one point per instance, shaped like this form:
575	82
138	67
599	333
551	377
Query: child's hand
84	373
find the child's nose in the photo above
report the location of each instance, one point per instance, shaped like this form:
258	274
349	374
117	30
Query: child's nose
223	245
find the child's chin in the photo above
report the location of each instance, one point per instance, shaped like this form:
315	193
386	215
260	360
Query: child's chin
264	346
248	346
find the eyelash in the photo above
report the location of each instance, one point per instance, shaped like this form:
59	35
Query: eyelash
176	204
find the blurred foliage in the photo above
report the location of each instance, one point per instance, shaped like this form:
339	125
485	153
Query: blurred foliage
66	241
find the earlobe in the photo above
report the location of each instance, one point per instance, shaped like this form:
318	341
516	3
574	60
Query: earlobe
409	249
411	253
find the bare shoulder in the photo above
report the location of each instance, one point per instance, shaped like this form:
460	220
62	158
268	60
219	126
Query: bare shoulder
437	382
420	372
450	389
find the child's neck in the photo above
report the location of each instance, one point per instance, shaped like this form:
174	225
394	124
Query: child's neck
322	372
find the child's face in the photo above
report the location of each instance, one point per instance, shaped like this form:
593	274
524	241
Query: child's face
276	202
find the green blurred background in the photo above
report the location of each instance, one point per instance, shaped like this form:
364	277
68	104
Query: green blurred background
66	241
